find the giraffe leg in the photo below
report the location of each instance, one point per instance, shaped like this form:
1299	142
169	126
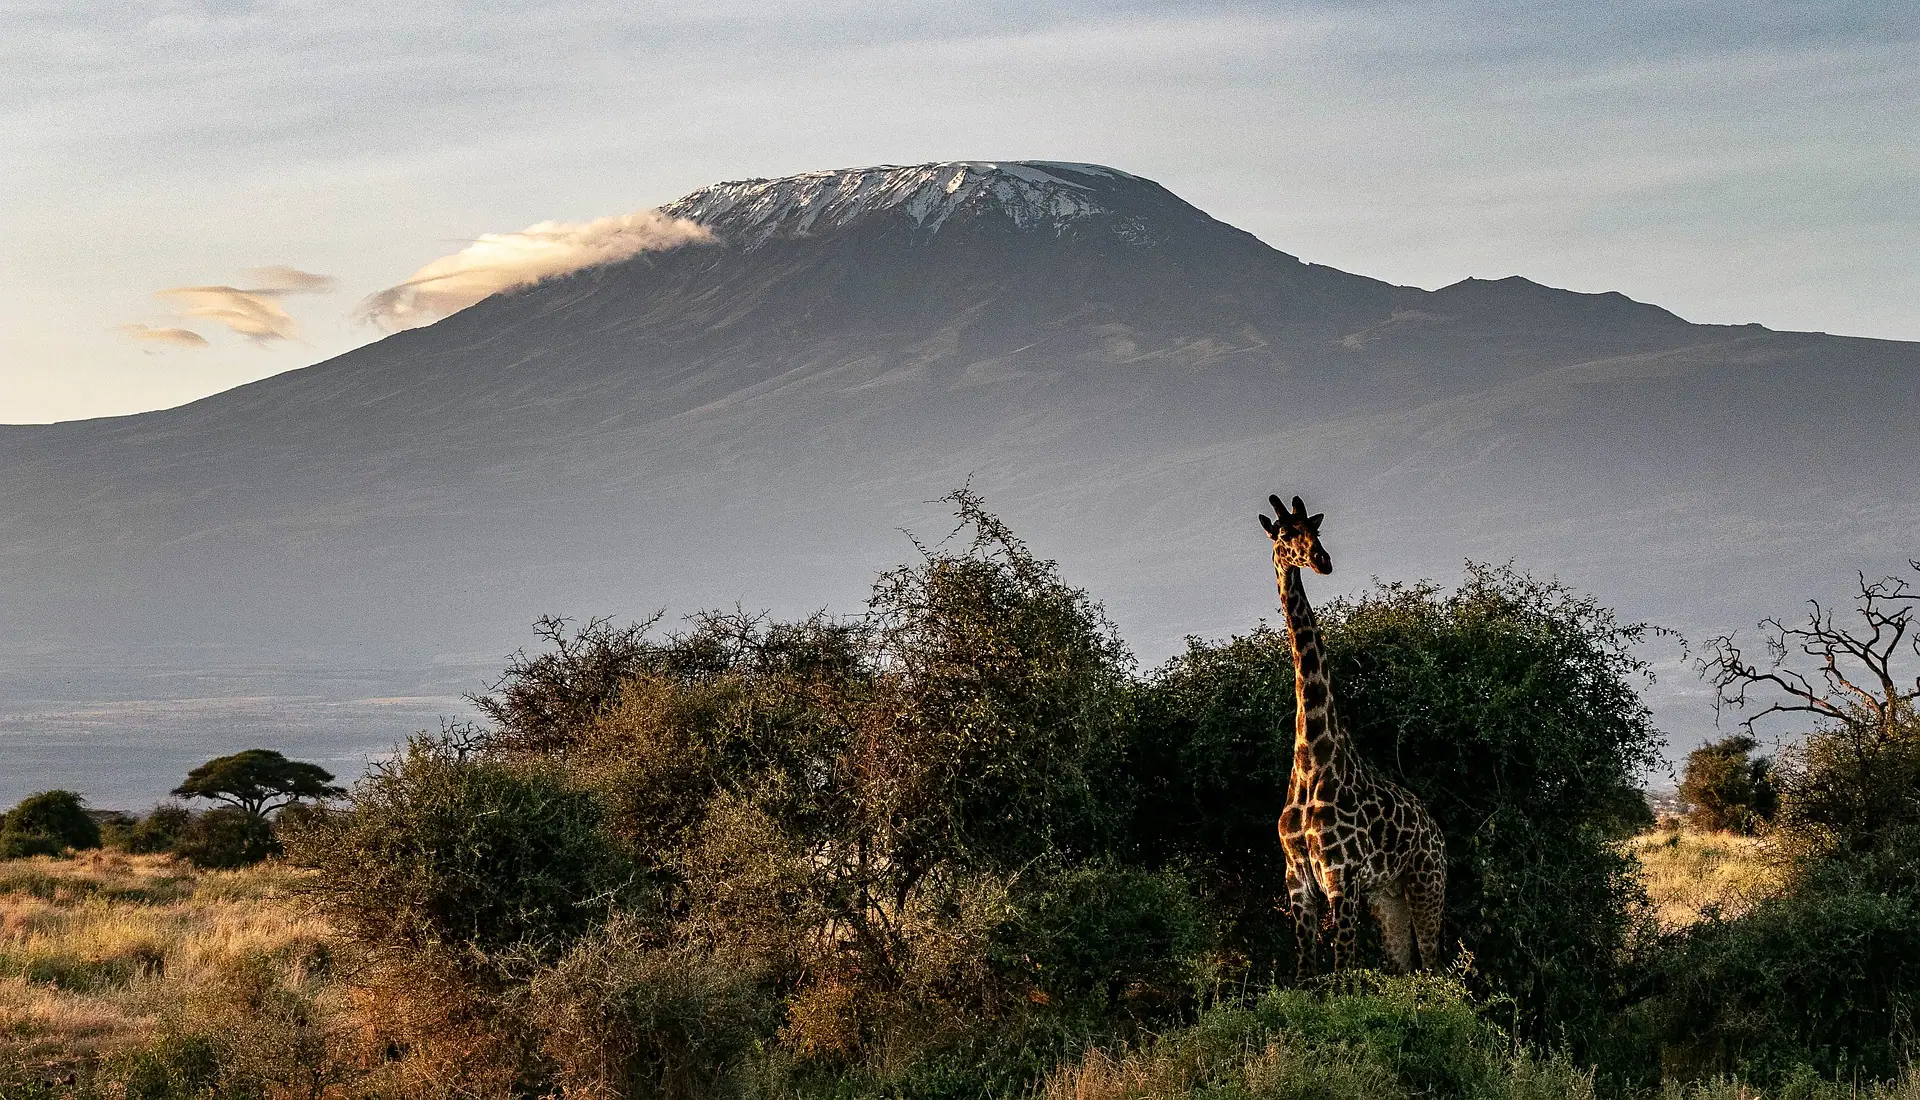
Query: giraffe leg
1304	903
1427	898
1346	932
1389	904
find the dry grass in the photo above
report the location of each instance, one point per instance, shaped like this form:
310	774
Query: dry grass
97	952
1687	872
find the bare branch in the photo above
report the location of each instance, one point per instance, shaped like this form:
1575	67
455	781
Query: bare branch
1855	673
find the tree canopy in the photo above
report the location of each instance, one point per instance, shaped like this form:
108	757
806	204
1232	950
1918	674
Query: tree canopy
257	781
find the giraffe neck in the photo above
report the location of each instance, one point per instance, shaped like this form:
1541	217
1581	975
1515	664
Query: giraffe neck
1318	754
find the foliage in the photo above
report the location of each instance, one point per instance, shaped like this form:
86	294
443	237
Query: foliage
1856	779
1725	788
1120	936
1825	977
542	701
257	781
626	1012
225	838
1851	787
1376	1037
1009	687
1508	706
1209	758
476	859
48	823
159	830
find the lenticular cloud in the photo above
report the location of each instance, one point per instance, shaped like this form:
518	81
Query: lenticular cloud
254	312
502	261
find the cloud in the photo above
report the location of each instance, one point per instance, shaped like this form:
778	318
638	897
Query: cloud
502	261
253	312
280	279
178	337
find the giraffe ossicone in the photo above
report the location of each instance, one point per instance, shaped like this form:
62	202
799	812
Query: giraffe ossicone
1349	833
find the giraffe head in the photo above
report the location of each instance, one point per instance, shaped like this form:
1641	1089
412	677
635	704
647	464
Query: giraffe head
1296	537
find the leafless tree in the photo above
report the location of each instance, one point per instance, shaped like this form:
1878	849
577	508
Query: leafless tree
1858	672
1854	780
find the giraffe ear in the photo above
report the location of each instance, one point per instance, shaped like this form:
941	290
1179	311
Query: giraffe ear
1313	522
1267	524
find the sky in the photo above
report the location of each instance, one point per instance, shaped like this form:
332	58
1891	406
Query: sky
195	195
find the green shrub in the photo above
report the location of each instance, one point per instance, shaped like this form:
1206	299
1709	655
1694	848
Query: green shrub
1827	976
1851	787
225	838
1724	787
48	823
1377	1038
160	831
627	1013
481	858
1118	935
1507	706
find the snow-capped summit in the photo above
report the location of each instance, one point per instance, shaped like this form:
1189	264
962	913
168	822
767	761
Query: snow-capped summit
1032	194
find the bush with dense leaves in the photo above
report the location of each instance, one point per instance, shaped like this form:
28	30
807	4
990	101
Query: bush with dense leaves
1508	706
1725	787
1827	975
224	838
935	849
48	823
475	858
1372	1039
1119	936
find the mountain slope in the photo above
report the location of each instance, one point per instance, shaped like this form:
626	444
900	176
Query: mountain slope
1122	375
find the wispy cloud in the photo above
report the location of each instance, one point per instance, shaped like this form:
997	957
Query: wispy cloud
178	337
502	261
280	279
253	312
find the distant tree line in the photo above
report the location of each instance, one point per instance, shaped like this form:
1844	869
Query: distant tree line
256	787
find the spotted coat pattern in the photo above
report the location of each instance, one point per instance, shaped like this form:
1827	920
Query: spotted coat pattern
1349	833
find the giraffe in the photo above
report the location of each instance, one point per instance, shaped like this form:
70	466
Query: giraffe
1348	832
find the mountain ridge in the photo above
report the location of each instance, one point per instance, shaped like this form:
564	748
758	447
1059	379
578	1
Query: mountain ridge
722	423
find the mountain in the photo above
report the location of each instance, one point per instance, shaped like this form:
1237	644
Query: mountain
753	420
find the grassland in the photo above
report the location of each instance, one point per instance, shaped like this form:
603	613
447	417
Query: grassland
1688	872
103	955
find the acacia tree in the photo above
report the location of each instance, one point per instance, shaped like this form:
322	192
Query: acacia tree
258	781
1857	775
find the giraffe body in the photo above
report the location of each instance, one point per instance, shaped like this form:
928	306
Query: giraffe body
1349	833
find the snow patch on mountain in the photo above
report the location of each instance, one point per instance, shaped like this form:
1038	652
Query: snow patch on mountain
1033	194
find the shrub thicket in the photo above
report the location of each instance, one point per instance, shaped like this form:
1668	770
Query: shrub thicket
1422	1036
224	838
1823	976
1507	706
1726	788
1827	973
48	823
159	830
